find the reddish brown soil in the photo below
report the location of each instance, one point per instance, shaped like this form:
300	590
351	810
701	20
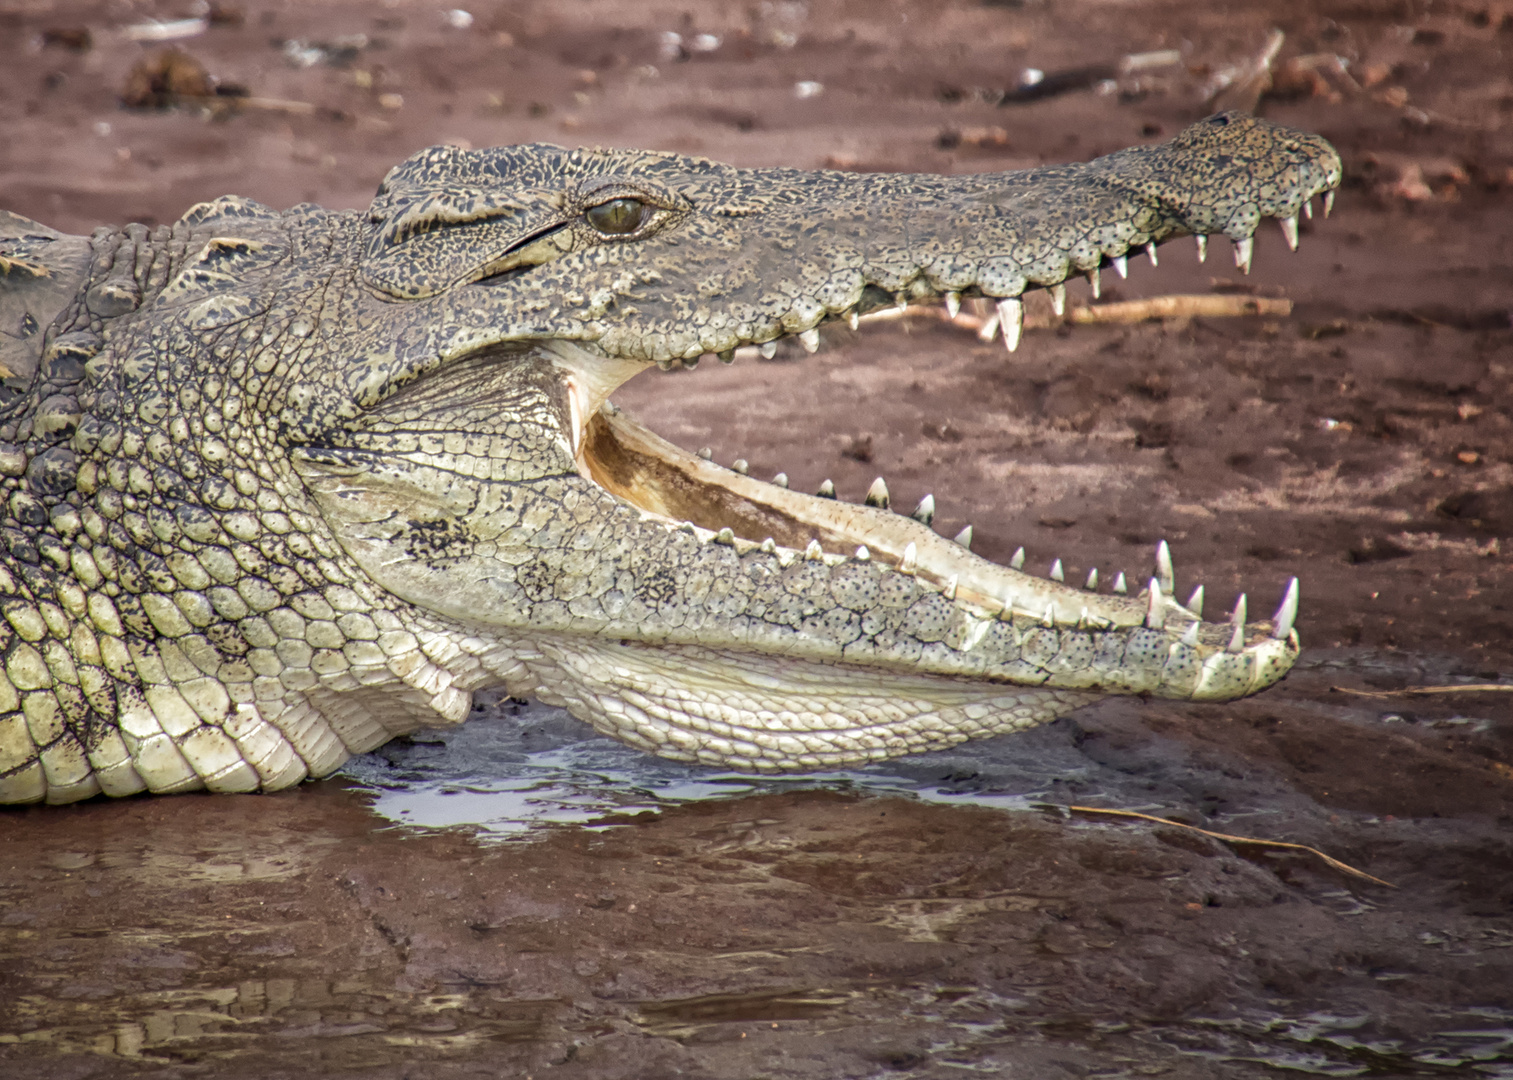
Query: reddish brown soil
1365	444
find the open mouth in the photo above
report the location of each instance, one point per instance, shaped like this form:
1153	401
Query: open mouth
728	506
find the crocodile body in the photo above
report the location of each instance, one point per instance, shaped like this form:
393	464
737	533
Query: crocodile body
279	487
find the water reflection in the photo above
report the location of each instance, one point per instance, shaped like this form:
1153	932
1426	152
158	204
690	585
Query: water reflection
517	766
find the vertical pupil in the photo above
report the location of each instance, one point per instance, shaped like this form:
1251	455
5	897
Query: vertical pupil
616	216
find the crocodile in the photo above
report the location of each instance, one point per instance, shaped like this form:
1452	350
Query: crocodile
282	486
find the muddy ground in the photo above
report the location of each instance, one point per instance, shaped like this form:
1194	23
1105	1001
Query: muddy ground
610	916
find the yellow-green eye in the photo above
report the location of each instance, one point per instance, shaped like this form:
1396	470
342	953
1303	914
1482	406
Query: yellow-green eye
617	217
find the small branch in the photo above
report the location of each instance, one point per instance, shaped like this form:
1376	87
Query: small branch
1411	691
1230	839
1211	306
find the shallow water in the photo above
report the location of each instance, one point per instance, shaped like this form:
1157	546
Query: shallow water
517	896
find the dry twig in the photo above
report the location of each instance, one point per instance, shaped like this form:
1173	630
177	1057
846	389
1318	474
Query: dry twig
1231	839
1410	691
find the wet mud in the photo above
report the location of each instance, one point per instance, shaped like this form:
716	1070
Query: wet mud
515	898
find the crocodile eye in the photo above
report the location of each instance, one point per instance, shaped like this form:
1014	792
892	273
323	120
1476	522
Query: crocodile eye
617	217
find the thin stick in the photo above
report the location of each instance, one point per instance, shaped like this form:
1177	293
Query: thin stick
1203	305
1230	839
1466	688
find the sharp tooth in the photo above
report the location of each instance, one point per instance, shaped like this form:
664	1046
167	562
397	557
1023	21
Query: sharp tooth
900	303
853	320
725	536
910	562
1057	573
1244	249
877	494
826	491
1094	283
1150	251
1328	202
1155	614
1049	618
810	340
989	329
1017	562
740	465
689	362
1082	619
862	554
1288	611
727	357
950	591
706	453
813	552
769	545
1121	265
924	513
768	349
781	479
1011	321
1195	602
1237	620
953	304
1119	585
1058	300
1308	208
1164	569
1190	635
1008	607
1202	247
1290	230
964	538
1092	580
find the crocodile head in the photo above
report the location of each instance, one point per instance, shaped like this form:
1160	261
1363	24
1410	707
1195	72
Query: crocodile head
406	414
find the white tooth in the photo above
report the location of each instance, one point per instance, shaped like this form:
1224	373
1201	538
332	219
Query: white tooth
726	357
1057	573
1082	619
1237	619
1092	580
1155	615
1095	283
1195	602
1119	585
1290	230
1058	300
910	562
1164	569
813	552
1121	265
924	513
1308	208
826	491
877	494
1150	251
725	536
853	320
769	545
1328	202
1244	249
953	304
740	465
706	453
1190	635
989	329
1202	247
1017	562
862	554
810	340
1011	321
1288	611
964	538
950	593
1049	618
1008	607
768	349
781	479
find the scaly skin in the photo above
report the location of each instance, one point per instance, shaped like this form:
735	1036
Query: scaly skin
279	487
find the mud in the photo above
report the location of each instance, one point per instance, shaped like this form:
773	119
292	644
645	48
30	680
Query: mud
516	899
